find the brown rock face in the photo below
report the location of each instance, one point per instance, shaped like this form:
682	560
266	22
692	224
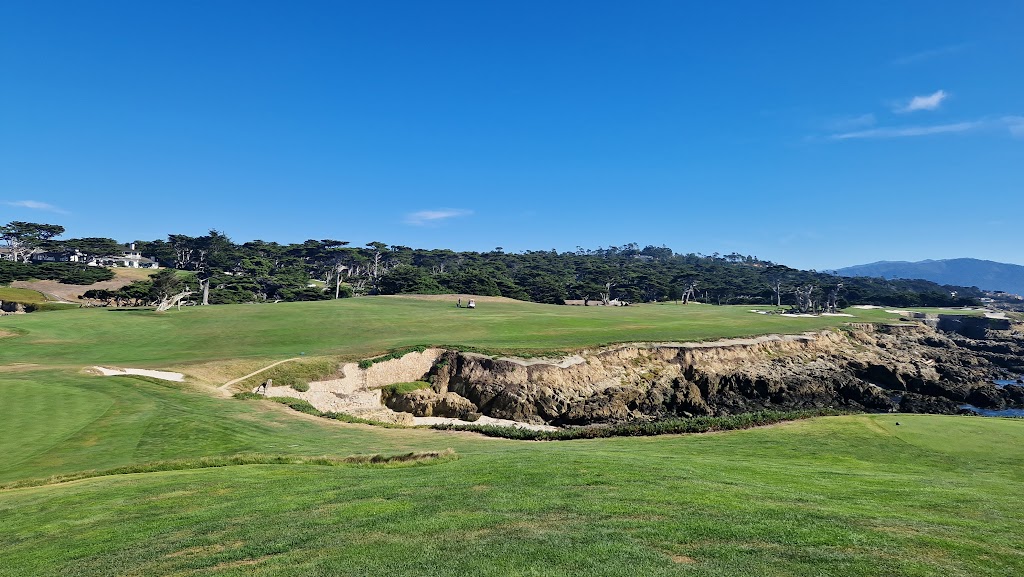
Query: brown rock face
864	367
429	403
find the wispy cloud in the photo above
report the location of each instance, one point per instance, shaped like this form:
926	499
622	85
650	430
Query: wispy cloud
928	54
434	217
36	205
1013	124
904	131
848	123
1016	125
930	102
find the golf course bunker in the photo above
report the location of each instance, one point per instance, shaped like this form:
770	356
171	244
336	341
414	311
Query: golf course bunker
162	375
360	392
357	391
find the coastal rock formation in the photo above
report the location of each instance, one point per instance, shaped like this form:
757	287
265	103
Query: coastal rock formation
905	367
430	403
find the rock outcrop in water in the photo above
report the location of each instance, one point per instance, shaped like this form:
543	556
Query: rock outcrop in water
906	367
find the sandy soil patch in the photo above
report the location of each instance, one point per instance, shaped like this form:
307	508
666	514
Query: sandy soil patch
162	375
357	391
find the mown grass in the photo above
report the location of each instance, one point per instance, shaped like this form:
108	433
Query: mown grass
855	495
234	461
851	495
361	328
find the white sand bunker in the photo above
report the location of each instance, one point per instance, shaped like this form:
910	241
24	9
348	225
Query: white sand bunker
484	420
162	375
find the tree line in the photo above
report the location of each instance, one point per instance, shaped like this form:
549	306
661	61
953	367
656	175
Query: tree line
216	270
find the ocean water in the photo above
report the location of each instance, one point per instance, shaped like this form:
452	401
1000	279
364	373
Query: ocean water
993	413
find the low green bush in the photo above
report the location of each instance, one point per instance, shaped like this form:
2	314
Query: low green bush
301	386
300	405
664	427
43	307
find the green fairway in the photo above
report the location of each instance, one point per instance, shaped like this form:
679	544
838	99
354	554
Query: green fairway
362	327
833	496
854	495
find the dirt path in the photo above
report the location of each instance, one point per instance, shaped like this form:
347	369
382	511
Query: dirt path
254	373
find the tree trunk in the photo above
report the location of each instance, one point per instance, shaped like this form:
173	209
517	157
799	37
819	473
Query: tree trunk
171	301
205	284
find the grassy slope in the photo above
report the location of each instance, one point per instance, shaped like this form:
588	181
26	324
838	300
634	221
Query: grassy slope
362	327
836	496
24	296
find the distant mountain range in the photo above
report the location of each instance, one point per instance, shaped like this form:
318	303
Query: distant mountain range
984	274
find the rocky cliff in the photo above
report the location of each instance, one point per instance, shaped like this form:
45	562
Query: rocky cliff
905	367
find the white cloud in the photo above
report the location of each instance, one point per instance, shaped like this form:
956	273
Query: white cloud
36	205
1016	125
904	131
928	54
429	217
929	102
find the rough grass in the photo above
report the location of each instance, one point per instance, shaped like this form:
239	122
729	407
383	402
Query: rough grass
20	295
404	388
296	374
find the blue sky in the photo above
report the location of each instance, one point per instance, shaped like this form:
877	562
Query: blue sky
813	134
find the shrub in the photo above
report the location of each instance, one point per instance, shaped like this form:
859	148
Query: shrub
665	427
300	405
43	307
301	386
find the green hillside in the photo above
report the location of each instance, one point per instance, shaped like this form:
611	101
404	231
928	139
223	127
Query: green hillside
365	326
855	495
